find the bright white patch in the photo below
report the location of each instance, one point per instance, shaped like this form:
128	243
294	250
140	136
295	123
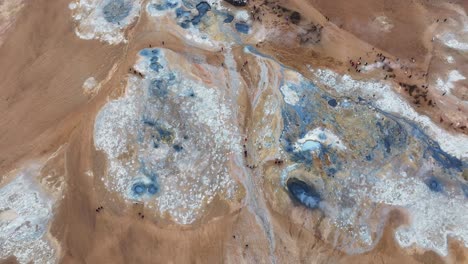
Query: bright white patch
89	85
91	23
290	96
319	136
434	216
192	35
450	59
242	16
190	179
153	11
389	101
454	41
25	212
372	66
198	38
308	145
456	36
448	84
384	23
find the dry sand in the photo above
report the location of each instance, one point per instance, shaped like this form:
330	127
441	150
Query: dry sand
44	66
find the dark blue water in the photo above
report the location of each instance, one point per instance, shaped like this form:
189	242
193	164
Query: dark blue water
303	193
376	138
434	185
202	8
242	28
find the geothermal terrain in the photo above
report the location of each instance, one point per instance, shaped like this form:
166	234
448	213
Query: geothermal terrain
233	131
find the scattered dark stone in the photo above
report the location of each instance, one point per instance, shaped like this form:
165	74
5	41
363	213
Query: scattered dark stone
177	147
237	2
295	17
411	89
312	34
332	102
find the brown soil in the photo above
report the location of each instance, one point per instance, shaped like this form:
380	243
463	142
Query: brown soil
43	107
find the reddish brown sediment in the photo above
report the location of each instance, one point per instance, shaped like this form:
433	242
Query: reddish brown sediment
44	66
351	32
